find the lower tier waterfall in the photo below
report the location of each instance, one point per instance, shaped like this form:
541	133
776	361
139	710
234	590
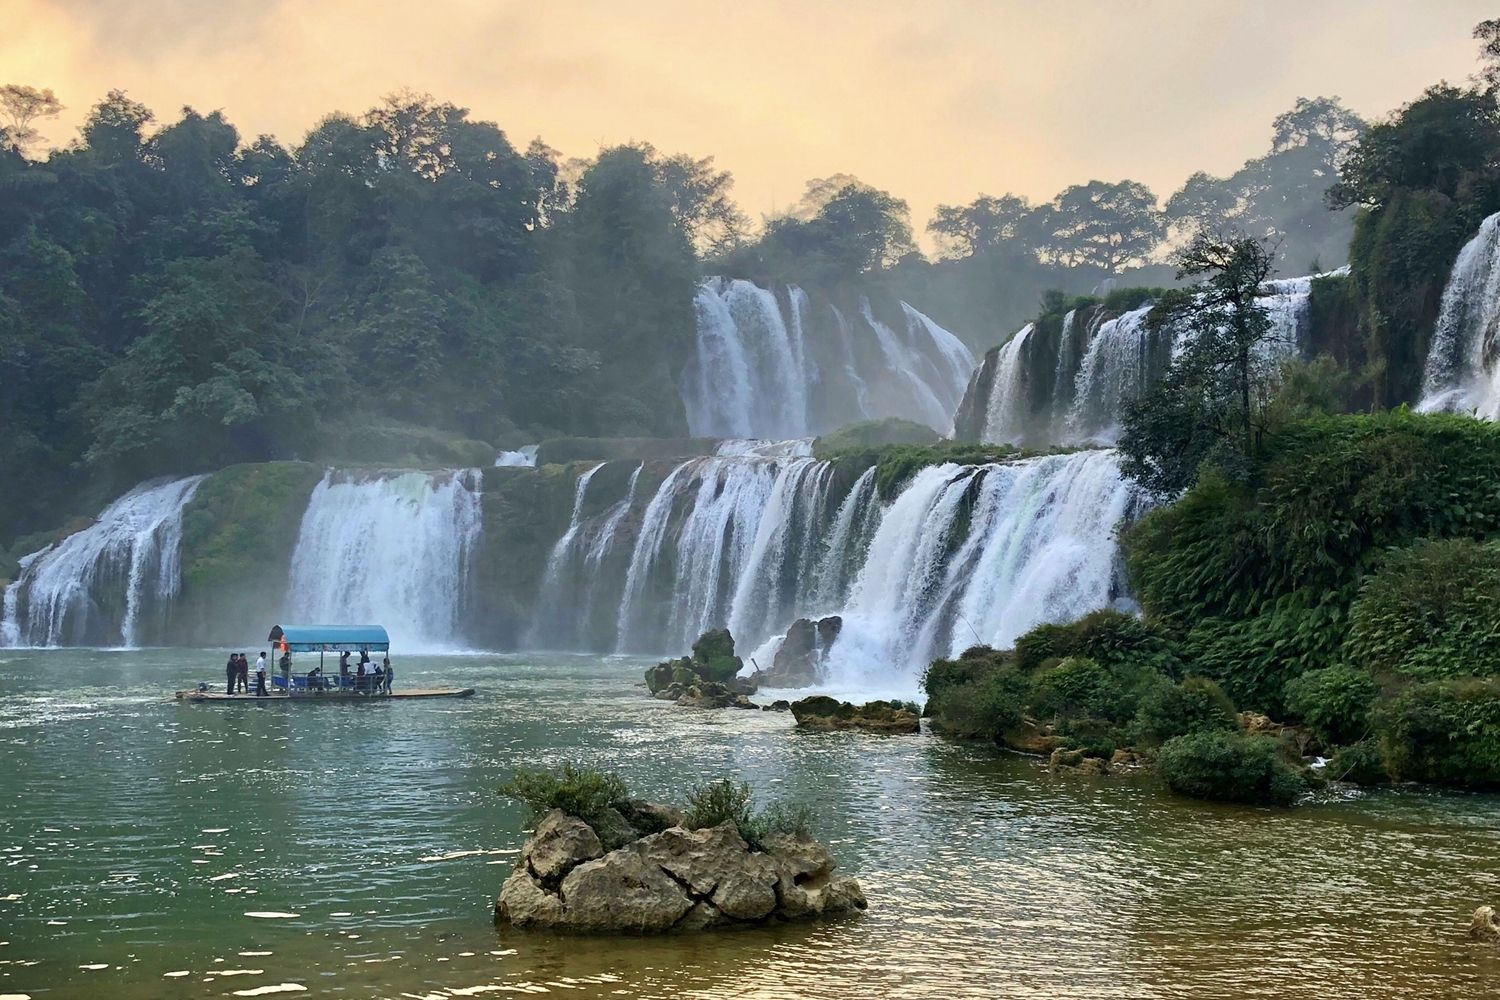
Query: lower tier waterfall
388	549
111	583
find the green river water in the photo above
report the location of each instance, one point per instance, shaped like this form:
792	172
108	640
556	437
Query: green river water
138	835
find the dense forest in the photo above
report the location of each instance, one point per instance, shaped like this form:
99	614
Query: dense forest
407	282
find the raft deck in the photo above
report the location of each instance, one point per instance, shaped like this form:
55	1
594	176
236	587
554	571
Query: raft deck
192	694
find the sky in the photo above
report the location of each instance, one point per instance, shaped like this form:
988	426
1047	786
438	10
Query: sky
935	101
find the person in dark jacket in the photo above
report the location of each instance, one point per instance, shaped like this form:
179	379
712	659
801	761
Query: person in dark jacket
231	673
244	674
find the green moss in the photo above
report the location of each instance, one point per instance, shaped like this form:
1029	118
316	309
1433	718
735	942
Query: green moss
399	445
238	533
556	451
874	434
1230	767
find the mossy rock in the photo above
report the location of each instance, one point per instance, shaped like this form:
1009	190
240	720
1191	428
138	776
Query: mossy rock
715	644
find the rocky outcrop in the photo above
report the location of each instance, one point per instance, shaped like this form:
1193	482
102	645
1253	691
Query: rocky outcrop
1301	738
823	712
803	653
707	679
1484	926
674	880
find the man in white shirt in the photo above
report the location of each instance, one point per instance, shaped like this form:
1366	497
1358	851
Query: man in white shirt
260	676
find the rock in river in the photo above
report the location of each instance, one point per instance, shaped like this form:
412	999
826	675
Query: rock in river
823	712
673	880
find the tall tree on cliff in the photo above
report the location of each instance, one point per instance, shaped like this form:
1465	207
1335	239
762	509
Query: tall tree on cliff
1207	407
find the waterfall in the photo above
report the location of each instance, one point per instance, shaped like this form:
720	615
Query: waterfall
732	539
1113	370
981	554
1461	373
95	585
388	548
521	458
1005	416
776	366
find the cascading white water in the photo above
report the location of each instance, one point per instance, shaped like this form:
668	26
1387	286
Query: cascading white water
1005	416
1462	371
1112	371
94	586
521	458
734	539
747	377
1038	546
763	368
389	549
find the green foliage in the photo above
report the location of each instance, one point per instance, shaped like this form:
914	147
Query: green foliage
577	791
1335	701
1207	406
1257	581
1431	610
1111	638
1359	764
1426	178
1444	732
874	434
1230	767
895	465
1193	705
1080	688
723	801
977	698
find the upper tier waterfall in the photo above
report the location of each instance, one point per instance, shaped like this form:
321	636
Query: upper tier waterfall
392	549
1462	373
1065	383
772	363
111	583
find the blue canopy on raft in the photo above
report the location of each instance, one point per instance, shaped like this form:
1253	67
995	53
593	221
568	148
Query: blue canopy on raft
336	638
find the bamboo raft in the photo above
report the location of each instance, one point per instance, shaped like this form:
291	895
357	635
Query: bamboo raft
193	694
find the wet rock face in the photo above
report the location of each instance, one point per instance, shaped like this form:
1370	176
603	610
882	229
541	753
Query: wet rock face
676	880
823	712
802	656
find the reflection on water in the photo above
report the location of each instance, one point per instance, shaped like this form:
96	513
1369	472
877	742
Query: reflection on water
150	849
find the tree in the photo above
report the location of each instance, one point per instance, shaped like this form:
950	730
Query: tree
1109	226
982	226
1207	405
862	229
1488	32
701	203
21	106
115	128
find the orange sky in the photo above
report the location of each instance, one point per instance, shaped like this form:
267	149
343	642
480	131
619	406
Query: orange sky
935	101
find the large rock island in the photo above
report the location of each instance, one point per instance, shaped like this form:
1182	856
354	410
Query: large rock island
673	880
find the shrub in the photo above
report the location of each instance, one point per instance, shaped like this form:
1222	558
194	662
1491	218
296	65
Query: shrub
941	675
723	801
984	708
1195	705
1431	611
718	802
1445	732
577	791
1335	701
1111	638
1359	764
1079	688
1230	767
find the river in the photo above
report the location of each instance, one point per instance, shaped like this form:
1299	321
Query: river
138	837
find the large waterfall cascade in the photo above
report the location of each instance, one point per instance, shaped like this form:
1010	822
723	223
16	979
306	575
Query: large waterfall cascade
388	548
113	582
1071	391
778	366
1462	372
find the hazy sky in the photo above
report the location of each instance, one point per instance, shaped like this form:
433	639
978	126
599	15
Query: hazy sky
935	100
